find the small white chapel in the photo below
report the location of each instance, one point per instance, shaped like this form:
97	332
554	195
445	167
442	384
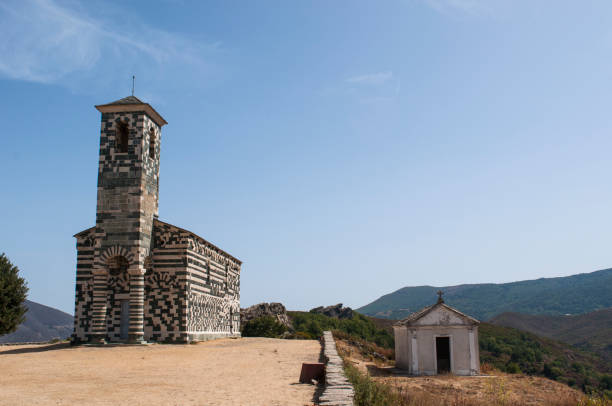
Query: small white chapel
437	339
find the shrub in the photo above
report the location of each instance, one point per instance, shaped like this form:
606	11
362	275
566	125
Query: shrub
358	326
513	368
370	393
605	382
313	328
302	336
265	326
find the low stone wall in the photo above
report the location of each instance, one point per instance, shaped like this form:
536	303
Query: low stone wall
338	390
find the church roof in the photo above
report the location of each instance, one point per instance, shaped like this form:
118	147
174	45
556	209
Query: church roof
132	103
84	232
126	100
414	317
201	240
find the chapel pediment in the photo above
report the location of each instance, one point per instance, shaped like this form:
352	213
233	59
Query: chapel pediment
438	314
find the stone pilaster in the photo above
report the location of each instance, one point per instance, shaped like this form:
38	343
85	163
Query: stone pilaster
136	331
98	322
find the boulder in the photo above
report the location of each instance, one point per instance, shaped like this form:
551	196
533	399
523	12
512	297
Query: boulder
276	310
336	311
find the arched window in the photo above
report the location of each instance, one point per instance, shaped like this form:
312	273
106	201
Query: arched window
117	264
151	143
121	137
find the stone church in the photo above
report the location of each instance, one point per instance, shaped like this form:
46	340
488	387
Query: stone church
139	279
437	339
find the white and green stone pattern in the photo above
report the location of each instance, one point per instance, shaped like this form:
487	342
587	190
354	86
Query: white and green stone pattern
140	279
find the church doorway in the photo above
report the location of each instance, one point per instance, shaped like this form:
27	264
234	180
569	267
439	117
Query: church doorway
125	319
443	354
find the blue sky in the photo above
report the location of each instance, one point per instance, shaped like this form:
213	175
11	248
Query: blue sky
341	149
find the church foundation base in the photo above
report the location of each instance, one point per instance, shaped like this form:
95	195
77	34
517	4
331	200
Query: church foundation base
97	339
211	336
136	339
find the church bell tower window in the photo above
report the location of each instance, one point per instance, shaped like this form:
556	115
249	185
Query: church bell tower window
117	265
151	143
122	136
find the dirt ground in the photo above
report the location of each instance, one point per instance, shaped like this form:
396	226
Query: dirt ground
492	389
246	371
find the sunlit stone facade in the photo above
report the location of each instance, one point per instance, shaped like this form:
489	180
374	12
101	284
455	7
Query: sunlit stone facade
140	279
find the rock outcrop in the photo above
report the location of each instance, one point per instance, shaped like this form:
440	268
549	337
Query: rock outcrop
276	310
336	311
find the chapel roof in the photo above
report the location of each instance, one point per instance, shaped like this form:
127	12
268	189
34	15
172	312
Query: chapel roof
414	317
132	103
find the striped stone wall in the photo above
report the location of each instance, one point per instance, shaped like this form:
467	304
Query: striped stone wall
191	290
127	188
83	298
212	284
165	291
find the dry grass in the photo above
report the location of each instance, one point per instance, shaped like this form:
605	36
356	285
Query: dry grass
496	391
367	349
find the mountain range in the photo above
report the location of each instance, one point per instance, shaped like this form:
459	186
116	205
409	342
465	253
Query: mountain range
576	294
42	323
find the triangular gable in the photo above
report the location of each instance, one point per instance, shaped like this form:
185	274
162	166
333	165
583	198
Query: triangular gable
438	315
85	233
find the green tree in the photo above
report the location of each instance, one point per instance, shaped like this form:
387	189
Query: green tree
13	291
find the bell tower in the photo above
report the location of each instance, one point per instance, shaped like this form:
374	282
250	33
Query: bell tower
128	192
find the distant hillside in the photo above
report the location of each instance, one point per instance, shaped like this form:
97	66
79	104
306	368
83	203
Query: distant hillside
576	294
512	351
590	331
42	323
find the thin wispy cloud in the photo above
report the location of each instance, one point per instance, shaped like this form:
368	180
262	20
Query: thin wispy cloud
47	41
378	78
373	88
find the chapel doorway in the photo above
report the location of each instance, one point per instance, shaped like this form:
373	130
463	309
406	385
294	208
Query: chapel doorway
125	319
443	354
